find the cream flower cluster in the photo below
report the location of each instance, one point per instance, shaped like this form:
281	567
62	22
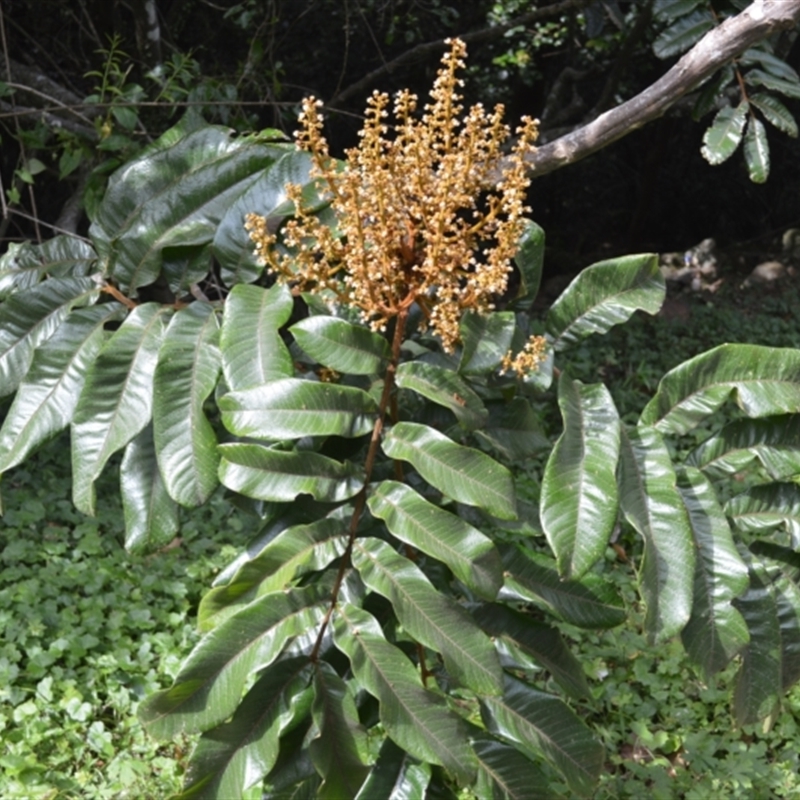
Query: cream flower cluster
418	218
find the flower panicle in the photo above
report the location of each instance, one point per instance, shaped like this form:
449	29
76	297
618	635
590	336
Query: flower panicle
416	221
528	360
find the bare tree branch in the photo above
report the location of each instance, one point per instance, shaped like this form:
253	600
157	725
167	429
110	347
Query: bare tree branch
39	83
724	43
53	120
436	47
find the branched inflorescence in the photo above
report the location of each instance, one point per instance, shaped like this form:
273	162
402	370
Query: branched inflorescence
415	220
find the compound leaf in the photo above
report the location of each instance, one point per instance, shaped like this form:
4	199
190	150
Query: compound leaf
775	112
604	295
432	618
265	474
578	502
237	754
756	150
471	556
341	345
590	602
290	408
486	338
444	387
716	631
151	516
522	635
650	500
253	352
513	429
23	265
117	398
418	720
210	684
173	195
722	137
774	441
758	683
295	551
682	34
339	749
47	398
464	474
187	372
764	381
510	774
395	775
542	725
30	318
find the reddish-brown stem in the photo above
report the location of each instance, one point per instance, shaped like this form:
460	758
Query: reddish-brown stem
117	295
369	463
423	667
742	87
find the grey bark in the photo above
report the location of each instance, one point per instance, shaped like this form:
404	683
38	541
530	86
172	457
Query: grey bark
718	47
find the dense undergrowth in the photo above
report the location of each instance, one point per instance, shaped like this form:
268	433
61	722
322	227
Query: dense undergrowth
89	630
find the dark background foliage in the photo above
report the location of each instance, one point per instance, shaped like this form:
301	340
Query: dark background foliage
652	190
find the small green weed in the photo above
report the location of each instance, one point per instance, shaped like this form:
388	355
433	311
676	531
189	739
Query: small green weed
669	735
89	630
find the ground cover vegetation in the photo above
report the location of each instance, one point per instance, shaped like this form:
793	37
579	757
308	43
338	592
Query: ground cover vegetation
358	336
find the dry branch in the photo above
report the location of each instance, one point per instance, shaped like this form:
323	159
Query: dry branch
721	45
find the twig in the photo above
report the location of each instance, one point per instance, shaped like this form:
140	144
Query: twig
19	213
626	52
52	120
20	141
